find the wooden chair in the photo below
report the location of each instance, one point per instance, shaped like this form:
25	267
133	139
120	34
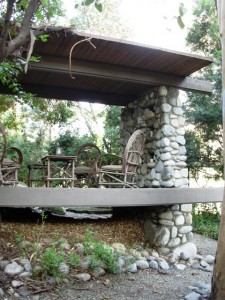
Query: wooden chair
85	166
11	159
121	171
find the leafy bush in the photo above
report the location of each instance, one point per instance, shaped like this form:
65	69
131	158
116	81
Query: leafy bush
51	261
206	219
100	253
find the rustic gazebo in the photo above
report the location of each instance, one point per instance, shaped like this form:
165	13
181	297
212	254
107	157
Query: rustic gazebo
146	82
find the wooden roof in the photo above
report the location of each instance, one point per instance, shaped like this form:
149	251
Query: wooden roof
107	71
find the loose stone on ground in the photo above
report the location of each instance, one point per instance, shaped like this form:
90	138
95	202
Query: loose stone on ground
130	261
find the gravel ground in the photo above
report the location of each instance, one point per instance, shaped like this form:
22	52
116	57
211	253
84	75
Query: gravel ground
144	285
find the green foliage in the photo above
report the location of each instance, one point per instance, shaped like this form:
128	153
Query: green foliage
73	260
203	156
100	253
69	143
48	11
43	37
9	72
28	126
204	139
43	217
19	241
51	261
204	32
50	111
182	12
104	19
48	258
33	137
111	137
88	2
97	4
206	219
60	113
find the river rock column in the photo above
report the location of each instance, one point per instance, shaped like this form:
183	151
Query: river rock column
161	113
169	142
164	163
170	230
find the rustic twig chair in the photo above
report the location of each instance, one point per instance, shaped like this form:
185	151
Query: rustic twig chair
85	166
11	159
121	172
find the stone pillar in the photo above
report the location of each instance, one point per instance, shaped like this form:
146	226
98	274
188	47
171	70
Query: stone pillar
163	165
169	228
161	113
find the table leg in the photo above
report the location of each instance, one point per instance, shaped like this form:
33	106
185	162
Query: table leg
73	174
48	172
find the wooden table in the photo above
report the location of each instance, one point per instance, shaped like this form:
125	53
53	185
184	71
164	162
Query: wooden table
59	168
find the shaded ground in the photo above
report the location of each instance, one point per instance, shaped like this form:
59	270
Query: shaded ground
143	285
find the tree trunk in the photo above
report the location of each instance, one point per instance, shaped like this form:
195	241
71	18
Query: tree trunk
5	28
8	46
218	279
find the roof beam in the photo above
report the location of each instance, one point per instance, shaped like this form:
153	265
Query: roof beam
119	73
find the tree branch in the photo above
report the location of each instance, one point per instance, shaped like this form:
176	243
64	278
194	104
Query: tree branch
5	28
24	34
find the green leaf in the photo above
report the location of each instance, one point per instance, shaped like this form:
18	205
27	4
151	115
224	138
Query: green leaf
180	22
98	6
182	9
44	37
88	2
218	54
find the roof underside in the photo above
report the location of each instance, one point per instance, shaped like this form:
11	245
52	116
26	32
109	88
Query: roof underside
107	71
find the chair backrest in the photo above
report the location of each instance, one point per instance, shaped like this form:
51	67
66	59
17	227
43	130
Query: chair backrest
133	152
11	159
87	154
2	143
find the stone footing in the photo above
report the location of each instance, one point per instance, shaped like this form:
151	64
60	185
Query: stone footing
168	228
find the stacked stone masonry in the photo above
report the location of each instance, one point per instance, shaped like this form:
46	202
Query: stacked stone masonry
169	228
164	161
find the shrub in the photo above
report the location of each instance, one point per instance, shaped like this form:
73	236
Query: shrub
100	253
206	219
51	261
